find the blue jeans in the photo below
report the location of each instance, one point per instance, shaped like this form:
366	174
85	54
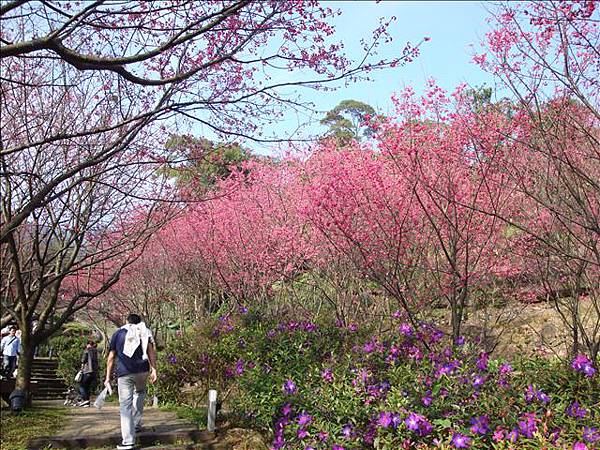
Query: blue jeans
85	386
9	363
132	391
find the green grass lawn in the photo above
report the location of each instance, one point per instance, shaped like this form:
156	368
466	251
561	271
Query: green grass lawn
195	415
17	430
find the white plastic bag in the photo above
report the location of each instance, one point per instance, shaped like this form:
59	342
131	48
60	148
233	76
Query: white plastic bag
99	403
78	376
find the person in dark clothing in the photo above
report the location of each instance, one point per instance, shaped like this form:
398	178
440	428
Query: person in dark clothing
132	349
89	368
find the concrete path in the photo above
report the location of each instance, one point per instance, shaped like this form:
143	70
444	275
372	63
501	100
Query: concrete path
93	428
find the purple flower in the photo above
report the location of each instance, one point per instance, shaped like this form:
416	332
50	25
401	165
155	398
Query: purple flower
308	447
503	383
418	424
424	427
478	381
513	436
527	425
289	387
427	399
482	361
448	368
480	425
369	347
460	441
575	410
415	353
347	430
362	376
460	340
224	318
369	435
498	434
323	436
173	359
278	442
436	335
505	369
385	419
239	367
302	433
310	327
580	446
337	447
412	422
304	419
405	329
582	364
543	397
243	310
286	409
532	394
282	423
591	434
327	375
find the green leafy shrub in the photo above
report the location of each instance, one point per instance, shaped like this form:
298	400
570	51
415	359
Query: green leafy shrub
331	386
69	348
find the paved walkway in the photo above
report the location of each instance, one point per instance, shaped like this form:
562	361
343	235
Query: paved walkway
93	428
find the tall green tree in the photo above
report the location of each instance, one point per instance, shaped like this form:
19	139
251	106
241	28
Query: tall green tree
202	163
348	121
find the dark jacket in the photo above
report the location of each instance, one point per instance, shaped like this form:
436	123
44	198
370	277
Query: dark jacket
89	360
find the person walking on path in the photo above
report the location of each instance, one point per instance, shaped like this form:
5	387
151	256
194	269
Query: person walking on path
10	345
89	368
133	348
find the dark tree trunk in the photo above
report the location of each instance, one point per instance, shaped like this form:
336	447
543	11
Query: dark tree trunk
23	380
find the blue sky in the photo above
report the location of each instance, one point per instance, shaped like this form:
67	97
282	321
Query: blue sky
455	28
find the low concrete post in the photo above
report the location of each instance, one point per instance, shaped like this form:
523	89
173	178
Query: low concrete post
212	410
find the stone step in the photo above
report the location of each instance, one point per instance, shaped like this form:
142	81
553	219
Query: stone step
49	396
52	390
45	361
47	379
52	385
61	389
43	370
195	439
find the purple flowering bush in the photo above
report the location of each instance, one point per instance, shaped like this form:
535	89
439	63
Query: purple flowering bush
330	386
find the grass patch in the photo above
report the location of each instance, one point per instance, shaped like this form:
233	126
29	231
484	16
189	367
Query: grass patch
17	430
194	415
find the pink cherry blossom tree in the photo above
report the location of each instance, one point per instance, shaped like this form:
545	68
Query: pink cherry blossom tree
546	54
